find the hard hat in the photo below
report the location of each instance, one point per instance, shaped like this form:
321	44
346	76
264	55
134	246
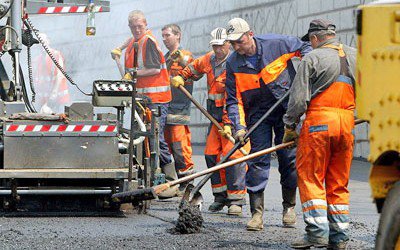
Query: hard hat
218	36
236	28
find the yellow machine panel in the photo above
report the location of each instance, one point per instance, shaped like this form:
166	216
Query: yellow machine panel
378	75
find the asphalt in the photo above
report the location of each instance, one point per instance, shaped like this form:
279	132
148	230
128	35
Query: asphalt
153	230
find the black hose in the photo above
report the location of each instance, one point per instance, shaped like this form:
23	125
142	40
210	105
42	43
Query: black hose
8	9
28	104
29	24
29	59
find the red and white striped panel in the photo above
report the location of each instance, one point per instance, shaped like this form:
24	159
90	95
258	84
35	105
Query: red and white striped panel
61	128
67	9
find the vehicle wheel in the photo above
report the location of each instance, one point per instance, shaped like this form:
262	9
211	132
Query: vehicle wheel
388	236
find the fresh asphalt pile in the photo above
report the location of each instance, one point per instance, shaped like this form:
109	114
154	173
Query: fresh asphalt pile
190	219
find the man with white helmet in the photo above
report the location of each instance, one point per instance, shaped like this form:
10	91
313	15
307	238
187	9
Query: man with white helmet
228	185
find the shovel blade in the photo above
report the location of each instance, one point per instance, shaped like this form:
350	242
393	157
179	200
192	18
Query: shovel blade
197	200
193	199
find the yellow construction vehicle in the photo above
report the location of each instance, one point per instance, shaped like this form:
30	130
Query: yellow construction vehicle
378	101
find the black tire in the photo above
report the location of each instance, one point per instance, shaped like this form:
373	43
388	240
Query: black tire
389	223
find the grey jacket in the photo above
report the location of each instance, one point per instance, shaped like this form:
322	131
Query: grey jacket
316	72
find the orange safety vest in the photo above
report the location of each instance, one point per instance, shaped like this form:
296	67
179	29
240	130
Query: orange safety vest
48	76
156	87
340	94
215	85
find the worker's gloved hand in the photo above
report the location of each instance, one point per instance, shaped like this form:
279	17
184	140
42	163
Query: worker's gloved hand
226	131
116	53
128	76
239	136
177	56
177	81
290	135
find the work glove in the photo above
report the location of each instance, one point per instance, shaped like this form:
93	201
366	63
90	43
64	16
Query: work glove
179	57
290	135
116	53
239	136
226	131
128	76
177	81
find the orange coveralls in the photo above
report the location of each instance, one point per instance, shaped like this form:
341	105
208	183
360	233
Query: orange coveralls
324	155
228	183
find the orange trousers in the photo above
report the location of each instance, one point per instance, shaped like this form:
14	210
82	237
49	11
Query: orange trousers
323	160
231	180
178	138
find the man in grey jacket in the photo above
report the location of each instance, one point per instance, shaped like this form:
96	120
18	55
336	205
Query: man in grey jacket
323	89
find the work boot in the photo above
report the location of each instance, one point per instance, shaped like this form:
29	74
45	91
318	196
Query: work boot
289	201
257	211
235	210
305	243
338	246
170	175
219	202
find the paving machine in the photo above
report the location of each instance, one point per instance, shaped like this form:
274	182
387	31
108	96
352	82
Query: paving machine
68	164
378	101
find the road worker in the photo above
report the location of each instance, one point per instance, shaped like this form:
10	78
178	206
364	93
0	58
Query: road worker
153	82
177	133
259	73
228	185
50	83
323	89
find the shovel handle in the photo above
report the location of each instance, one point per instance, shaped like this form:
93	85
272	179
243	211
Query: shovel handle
209	116
120	68
231	163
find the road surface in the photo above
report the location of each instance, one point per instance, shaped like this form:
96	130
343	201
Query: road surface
150	231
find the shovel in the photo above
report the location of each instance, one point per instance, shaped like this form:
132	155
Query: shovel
194	192
152	192
120	68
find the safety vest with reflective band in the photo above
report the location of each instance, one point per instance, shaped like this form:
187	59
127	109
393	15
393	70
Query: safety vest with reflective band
248	87
48	78
215	83
340	94
156	87
179	107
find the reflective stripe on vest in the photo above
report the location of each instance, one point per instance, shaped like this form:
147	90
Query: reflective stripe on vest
193	70
153	89
215	97
268	74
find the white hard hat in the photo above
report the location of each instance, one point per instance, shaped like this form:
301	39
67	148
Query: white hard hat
236	28
218	36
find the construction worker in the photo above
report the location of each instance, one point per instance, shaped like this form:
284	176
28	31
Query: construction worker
259	73
323	89
228	185
50	84
177	133
153	82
